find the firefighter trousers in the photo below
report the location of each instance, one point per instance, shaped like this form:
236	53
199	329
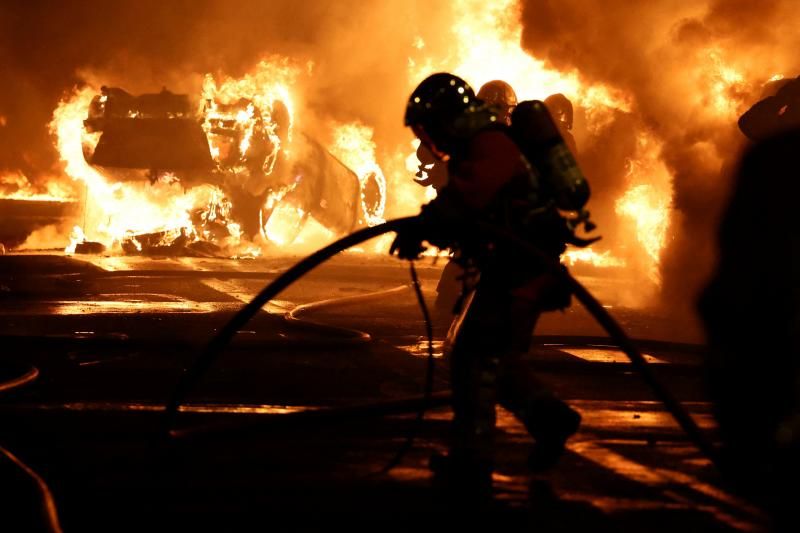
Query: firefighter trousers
487	367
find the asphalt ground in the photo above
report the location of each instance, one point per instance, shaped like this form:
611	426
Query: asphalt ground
109	337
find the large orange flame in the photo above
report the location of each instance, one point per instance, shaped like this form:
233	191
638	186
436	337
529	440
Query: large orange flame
648	202
116	211
16	186
231	109
263	88
486	46
353	145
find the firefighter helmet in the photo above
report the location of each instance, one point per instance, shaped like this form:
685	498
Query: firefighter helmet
560	108
436	111
439	96
498	92
501	95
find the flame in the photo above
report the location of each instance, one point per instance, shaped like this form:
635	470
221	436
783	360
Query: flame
234	113
290	225
650	211
726	85
411	161
239	113
589	256
486	47
75	238
16	186
262	89
266	84
647	203
284	224
116	211
353	145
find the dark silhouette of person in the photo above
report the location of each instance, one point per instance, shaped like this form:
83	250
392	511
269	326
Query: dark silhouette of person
563	113
778	110
751	312
501	96
490	181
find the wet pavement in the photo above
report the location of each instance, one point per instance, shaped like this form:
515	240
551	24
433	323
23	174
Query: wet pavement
277	436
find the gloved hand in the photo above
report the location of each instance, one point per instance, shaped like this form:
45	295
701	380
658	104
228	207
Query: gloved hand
408	242
437	223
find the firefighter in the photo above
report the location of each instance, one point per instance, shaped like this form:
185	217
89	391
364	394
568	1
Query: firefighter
750	312
561	109
490	181
778	111
495	93
501	96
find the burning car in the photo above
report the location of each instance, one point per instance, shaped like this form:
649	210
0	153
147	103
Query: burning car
245	149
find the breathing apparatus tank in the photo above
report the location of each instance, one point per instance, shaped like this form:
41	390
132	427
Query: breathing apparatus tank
539	139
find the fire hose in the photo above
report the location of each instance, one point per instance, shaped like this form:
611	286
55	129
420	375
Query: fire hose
203	362
46	517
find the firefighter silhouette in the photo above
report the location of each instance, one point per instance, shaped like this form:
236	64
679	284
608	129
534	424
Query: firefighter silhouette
561	109
490	180
500	95
778	111
750	311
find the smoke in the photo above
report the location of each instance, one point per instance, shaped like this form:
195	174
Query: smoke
690	69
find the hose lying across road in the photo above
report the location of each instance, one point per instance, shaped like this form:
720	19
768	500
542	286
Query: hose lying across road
214	348
618	336
359	337
47	517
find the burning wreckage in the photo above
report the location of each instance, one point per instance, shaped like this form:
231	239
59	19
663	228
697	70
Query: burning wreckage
265	179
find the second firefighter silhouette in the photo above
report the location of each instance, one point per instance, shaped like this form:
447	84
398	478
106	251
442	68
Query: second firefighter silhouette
518	177
501	96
